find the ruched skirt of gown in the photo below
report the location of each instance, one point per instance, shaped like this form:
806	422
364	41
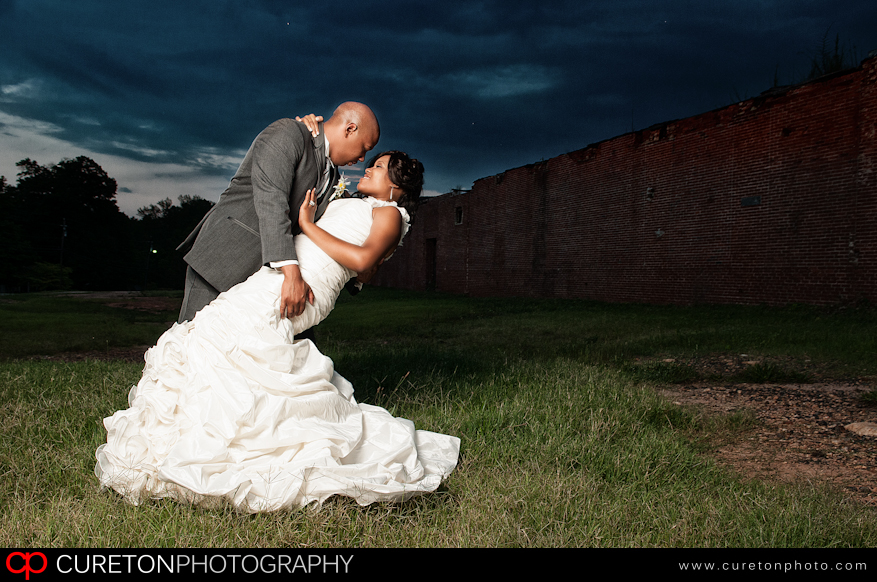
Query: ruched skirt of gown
230	407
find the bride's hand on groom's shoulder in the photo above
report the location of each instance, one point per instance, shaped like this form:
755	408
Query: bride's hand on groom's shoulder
312	122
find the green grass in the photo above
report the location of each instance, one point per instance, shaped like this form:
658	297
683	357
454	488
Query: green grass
842	340
564	442
37	324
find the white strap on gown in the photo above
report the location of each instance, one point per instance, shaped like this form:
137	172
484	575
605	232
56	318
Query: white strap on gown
230	407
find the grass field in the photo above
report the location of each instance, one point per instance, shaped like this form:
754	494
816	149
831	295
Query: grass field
564	441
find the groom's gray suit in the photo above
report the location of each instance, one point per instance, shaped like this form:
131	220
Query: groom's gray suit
256	218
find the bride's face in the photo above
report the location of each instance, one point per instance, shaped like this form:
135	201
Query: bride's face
376	181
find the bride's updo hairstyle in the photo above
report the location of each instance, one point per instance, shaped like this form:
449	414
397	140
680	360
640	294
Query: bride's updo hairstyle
407	174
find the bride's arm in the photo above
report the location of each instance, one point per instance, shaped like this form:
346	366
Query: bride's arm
383	237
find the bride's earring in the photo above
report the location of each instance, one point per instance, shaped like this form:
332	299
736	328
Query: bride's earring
391	193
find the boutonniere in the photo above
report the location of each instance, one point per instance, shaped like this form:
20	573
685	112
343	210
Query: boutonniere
340	188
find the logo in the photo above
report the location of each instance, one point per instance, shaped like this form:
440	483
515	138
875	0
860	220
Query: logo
26	568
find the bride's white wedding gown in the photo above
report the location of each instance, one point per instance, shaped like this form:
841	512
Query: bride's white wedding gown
230	407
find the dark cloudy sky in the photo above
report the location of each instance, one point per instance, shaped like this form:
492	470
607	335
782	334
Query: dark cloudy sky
167	95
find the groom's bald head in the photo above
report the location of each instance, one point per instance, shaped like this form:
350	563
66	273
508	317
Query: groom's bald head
352	131
358	113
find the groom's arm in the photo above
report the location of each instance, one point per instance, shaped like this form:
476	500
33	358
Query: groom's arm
276	154
312	122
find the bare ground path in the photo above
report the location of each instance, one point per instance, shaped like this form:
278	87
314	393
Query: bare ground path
800	430
124	300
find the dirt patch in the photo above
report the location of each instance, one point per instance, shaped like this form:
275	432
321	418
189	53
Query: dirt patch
133	300
123	300
715	367
149	304
800	428
131	354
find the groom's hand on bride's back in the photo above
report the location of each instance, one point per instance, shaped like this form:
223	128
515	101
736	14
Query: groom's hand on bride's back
295	293
355	284
367	276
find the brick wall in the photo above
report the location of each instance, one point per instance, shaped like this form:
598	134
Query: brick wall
772	200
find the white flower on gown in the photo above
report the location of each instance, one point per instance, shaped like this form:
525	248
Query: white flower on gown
230	407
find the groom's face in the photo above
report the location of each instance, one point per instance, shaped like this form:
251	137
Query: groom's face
357	142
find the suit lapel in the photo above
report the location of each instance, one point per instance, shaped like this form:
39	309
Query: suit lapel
333	179
320	148
326	176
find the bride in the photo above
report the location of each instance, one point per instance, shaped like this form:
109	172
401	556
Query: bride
231	408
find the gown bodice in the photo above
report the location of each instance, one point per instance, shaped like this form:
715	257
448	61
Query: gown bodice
349	219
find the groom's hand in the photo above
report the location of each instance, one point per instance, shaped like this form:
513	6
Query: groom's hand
366	276
294	293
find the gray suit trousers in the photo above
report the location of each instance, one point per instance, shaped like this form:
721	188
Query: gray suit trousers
198	294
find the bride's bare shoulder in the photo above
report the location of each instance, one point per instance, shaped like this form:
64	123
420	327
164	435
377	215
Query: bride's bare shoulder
388	213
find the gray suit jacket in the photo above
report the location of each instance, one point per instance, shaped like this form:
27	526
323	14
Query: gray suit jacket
256	218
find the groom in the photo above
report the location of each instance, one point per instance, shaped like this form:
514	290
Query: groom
254	222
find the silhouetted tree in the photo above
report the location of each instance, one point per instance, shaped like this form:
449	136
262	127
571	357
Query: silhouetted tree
60	227
67	215
16	252
824	61
162	227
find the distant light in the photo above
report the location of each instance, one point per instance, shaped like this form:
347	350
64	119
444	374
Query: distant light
154	251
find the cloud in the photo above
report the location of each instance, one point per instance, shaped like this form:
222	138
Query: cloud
215	159
19	92
140	182
84	120
470	88
140	150
14	126
505	81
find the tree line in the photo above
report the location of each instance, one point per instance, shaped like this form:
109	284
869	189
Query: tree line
60	228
